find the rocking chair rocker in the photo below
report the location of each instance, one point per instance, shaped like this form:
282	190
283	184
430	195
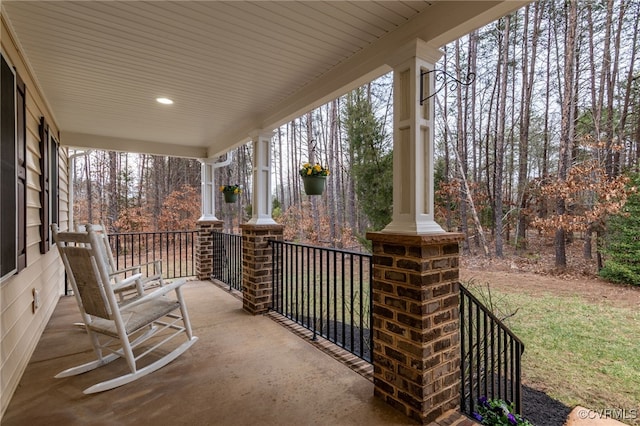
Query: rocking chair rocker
118	327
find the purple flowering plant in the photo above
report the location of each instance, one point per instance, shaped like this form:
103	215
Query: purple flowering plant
496	412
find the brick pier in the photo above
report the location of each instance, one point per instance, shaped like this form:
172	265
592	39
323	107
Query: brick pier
204	247
256	266
416	353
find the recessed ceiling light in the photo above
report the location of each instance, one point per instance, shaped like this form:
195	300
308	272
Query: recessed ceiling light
165	101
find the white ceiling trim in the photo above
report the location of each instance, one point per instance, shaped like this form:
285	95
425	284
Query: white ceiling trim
82	140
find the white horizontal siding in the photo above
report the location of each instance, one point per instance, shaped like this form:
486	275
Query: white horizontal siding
20	326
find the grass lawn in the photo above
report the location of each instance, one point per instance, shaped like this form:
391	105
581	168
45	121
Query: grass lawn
578	352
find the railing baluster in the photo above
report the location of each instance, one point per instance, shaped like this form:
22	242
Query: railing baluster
361	306
518	399
297	282
500	370
154	249
328	284
477	347
505	361
493	359
336	306
352	307
343	297
321	306
463	382
315	292
485	333
289	293
305	281
140	249
469	324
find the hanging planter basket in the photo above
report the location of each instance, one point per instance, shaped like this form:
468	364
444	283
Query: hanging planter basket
314	185
230	197
230	192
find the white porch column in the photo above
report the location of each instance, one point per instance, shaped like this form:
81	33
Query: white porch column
207	192
413	209
208	186
261	195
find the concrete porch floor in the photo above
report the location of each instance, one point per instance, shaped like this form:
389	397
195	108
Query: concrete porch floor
244	370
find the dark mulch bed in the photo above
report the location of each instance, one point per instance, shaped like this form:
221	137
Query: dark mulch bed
538	407
541	409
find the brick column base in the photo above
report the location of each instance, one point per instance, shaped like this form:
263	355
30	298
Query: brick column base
256	266
416	341
204	247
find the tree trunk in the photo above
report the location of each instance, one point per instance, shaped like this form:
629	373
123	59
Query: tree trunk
587	251
284	203
112	214
467	193
567	126
445	136
528	72
605	81
629	84
500	139
461	148
87	165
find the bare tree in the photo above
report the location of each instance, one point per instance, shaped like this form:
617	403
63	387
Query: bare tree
500	139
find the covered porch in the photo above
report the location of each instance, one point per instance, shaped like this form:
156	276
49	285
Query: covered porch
237	71
245	370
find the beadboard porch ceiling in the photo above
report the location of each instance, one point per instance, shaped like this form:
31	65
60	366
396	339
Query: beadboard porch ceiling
231	67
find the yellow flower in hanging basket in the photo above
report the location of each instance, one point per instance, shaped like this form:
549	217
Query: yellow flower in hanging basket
313	178
315	170
234	189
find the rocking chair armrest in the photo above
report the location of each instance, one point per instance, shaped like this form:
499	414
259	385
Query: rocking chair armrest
127	282
135	269
153	268
156	266
159	292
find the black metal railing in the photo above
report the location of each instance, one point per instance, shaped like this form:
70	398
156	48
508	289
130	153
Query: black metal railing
327	291
227	259
175	250
490	362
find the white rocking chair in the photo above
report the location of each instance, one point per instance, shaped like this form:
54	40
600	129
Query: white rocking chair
118	327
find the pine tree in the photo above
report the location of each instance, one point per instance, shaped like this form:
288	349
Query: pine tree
622	245
372	167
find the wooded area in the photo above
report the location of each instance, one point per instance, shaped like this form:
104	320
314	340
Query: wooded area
542	140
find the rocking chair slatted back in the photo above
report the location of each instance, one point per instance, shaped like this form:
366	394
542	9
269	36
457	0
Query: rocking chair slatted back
82	254
85	270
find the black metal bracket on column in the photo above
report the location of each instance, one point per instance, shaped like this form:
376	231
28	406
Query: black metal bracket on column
442	78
